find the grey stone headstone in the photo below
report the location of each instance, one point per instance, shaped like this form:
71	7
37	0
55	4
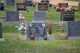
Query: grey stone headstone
67	16
0	30
21	6
39	16
10	2
74	28
12	16
37	30
1	6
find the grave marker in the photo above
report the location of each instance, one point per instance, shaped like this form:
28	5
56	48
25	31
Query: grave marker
45	1
12	16
28	2
74	28
67	16
79	6
0	30
43	6
37	30
21	7
1	6
39	16
10	2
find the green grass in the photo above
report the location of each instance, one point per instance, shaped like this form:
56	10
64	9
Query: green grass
54	46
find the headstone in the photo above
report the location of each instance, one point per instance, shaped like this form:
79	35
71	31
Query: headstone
39	16
74	28
67	16
21	7
36	30
1	6
12	16
45	1
0	30
43	6
79	6
10	2
28	2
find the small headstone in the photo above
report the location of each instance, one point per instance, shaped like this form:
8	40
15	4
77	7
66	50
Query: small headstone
67	16
43	6
39	16
21	7
12	16
74	28
28	2
10	2
0	30
1	6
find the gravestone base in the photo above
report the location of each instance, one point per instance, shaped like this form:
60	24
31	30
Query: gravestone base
73	37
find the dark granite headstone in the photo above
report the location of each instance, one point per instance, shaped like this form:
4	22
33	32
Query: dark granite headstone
1	6
28	2
21	7
36	30
12	16
39	16
10	2
79	6
43	6
0	30
67	16
45	1
74	28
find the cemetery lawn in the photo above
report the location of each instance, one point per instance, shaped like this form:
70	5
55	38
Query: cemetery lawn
12	44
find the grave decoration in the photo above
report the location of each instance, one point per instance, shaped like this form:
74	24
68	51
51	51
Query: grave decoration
1	6
67	16
10	2
43	6
37	31
0	30
21	6
12	16
61	7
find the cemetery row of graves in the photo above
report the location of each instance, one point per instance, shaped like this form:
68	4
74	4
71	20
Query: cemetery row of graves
21	24
38	28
